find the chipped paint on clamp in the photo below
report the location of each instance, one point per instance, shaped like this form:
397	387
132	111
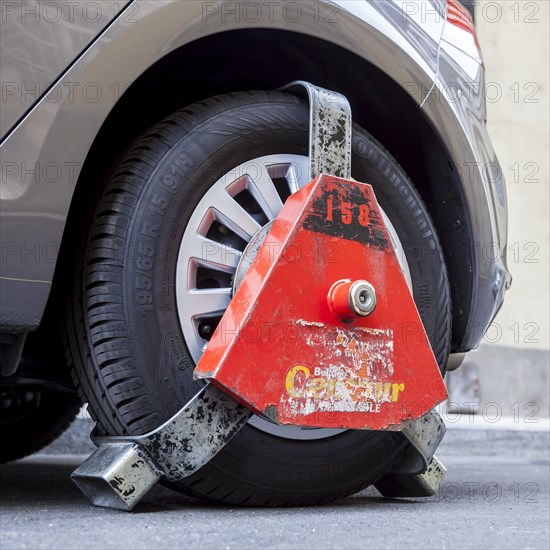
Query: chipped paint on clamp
123	469
424	435
194	435
329	130
117	475
420	473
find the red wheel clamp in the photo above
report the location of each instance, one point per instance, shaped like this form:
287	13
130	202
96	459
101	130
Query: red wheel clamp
317	335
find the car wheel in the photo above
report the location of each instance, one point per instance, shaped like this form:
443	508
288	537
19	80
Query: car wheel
31	418
147	295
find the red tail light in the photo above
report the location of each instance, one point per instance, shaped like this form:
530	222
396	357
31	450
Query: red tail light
460	17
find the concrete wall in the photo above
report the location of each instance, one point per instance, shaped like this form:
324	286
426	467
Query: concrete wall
513	362
516	52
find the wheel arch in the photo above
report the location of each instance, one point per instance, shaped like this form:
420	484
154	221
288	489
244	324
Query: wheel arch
195	72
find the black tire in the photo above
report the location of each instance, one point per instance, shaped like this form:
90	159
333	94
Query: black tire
28	427
134	367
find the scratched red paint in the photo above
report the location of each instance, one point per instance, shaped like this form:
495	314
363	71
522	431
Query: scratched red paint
278	348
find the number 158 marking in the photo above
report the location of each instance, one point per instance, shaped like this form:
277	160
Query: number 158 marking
347	211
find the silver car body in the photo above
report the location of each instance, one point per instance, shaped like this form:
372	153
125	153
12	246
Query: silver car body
81	66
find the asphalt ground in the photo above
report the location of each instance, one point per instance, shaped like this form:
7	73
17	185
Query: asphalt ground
495	500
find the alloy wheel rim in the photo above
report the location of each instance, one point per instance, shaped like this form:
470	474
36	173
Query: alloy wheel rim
229	215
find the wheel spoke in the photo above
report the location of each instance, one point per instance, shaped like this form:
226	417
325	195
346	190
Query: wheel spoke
292	179
207	303
232	214
213	254
263	190
197	251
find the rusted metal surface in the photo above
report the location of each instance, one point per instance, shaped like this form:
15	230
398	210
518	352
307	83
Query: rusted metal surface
280	349
420	473
329	130
424	435
123	469
117	475
194	435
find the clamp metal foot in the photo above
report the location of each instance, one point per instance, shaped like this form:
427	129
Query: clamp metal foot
420	473
425	484
123	469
